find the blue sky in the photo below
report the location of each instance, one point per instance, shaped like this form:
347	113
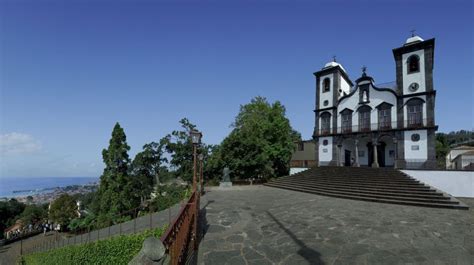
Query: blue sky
70	69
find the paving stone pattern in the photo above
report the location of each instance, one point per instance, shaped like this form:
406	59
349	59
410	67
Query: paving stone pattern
264	225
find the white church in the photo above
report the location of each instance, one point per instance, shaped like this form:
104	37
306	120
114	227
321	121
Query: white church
389	125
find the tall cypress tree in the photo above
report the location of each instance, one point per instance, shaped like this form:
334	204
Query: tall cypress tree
116	189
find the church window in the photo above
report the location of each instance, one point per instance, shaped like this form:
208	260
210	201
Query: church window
346	121
364	119
385	117
326	84
413	64
415	112
300	146
325	123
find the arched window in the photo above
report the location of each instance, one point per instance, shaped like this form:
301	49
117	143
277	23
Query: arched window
385	115
413	64
364	118
415	112
325	123
346	121
326	84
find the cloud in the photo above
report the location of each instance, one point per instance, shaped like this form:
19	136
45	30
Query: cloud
18	144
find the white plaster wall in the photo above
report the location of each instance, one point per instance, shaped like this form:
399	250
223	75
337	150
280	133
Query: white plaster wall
466	160
364	160
456	183
325	156
418	77
376	98
326	95
345	87
294	170
405	110
422	152
389	161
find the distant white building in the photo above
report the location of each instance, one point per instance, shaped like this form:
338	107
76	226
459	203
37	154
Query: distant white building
461	157
391	125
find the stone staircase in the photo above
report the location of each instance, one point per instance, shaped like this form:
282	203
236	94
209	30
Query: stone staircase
384	185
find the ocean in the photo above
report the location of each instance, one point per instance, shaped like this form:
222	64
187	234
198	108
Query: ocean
30	186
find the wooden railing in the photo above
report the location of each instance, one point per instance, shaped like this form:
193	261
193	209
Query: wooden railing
181	237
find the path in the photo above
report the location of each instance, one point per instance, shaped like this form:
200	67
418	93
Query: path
264	225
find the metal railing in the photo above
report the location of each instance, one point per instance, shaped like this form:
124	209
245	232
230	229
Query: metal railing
181	236
385	126
139	223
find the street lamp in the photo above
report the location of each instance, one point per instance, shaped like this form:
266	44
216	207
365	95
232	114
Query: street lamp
196	140
201	180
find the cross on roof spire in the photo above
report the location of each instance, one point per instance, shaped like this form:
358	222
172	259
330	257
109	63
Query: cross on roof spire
413	32
334	58
364	70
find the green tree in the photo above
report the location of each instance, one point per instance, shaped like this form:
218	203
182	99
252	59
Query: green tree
179	146
63	210
261	142
116	186
33	214
147	167
9	213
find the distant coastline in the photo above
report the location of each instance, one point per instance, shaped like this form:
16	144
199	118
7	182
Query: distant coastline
23	187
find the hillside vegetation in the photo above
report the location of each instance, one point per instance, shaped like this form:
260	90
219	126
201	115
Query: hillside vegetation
115	250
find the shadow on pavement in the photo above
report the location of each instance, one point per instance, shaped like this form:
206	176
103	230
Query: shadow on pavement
309	254
203	224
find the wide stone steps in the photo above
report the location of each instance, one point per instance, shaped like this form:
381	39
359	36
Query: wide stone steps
378	194
367	184
426	191
362	184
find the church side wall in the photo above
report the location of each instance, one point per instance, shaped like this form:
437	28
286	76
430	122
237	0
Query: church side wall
418	77
456	183
416	151
325	151
323	96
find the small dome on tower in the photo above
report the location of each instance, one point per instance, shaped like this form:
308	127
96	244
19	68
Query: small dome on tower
333	64
413	39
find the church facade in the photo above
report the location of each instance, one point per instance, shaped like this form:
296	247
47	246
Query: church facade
363	124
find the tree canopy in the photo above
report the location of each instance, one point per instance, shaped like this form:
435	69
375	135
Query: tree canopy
116	190
63	210
260	144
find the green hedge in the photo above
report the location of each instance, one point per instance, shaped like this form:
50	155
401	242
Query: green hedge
115	250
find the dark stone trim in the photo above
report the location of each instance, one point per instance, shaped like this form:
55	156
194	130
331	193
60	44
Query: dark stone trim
331	69
382	131
384	105
373	86
414	101
364	107
323	109
364	78
346	110
426	93
414	47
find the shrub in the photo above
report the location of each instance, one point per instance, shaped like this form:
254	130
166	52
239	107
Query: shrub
115	250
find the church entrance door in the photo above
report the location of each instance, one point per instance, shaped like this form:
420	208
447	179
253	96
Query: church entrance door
380	154
347	158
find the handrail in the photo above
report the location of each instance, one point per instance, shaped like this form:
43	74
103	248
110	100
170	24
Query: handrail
182	231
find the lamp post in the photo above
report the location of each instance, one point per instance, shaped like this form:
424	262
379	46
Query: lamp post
201	180
196	140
